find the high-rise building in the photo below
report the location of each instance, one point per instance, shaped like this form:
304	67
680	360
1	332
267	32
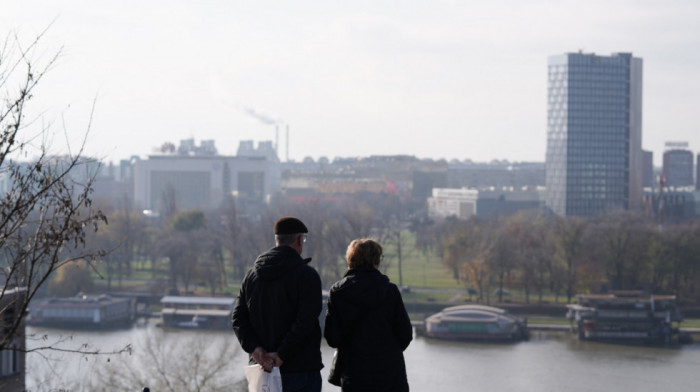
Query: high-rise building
594	133
647	169
678	165
697	174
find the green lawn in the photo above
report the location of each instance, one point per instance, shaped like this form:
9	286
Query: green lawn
426	297
691	323
418	269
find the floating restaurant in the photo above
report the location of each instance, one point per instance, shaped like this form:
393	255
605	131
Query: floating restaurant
626	316
82	311
197	312
476	322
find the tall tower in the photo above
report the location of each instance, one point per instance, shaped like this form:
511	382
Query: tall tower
647	169
594	133
697	174
678	165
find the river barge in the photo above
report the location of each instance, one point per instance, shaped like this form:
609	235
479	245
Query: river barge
197	312
626	316
82	311
476	322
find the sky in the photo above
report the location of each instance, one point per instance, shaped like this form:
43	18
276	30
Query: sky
436	79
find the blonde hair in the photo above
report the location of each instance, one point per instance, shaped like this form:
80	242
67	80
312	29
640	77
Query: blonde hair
364	252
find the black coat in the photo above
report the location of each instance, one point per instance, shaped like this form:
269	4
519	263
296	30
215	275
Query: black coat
368	322
278	309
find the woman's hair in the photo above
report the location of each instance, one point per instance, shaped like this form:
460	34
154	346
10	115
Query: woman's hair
363	252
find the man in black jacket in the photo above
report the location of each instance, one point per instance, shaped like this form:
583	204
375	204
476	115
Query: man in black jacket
276	313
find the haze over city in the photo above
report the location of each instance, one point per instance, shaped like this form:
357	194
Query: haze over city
438	79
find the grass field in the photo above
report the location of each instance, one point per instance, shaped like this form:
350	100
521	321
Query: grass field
418	269
430	282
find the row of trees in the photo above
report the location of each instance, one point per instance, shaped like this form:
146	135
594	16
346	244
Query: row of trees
211	248
564	256
539	255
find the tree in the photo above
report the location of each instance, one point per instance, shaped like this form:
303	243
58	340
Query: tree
183	242
502	256
569	243
529	252
621	239
450	249
190	365
46	211
126	230
71	279
467	250
226	231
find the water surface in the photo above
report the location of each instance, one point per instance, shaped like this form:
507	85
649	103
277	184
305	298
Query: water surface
550	361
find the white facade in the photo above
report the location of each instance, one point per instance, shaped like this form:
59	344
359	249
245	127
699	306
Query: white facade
202	182
452	202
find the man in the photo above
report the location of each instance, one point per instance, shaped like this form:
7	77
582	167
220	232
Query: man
276	313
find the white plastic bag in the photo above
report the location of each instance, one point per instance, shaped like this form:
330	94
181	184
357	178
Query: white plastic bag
262	381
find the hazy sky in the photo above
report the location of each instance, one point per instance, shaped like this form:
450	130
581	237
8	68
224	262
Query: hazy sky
436	79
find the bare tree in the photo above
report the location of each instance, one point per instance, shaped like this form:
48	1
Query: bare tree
569	239
621	239
191	365
45	209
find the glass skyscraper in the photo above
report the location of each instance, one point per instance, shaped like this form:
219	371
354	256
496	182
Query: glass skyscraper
678	167
594	133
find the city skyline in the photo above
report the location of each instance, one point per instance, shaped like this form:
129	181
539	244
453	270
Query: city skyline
434	80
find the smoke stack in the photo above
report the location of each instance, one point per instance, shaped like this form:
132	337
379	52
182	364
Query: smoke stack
287	139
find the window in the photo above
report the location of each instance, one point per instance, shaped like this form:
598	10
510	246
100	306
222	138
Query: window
9	362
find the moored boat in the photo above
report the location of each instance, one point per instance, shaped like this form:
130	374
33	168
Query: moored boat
626	316
476	322
82	311
197	312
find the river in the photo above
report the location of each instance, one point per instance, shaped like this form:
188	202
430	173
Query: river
550	361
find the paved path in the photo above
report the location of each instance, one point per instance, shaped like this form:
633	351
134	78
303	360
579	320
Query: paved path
454	298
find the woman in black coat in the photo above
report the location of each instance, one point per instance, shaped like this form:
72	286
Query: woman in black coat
368	323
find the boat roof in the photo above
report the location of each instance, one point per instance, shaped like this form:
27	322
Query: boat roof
481	308
174	299
197	312
471	313
623	298
79	301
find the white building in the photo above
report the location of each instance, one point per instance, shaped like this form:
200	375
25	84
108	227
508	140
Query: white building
452	202
203	181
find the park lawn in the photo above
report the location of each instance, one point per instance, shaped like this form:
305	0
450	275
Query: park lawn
543	320
418	269
414	296
690	323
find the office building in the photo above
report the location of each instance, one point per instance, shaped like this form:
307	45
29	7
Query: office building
648	180
594	133
204	181
678	165
487	203
697	174
445	202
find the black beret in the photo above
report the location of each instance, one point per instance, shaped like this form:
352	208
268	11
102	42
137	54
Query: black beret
290	225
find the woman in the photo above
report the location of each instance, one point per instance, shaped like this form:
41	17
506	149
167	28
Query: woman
368	323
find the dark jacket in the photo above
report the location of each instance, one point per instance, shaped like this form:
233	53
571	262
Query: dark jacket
278	309
368	322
